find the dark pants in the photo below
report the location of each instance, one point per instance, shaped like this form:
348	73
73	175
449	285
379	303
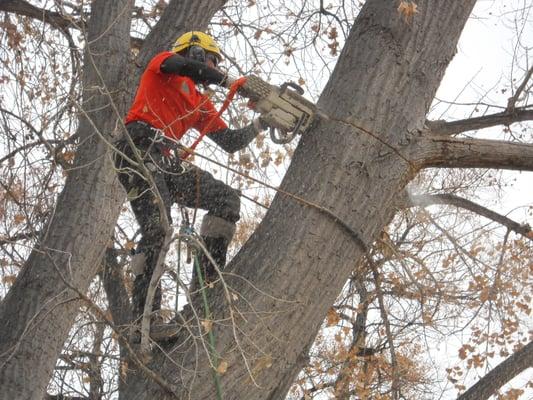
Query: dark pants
190	187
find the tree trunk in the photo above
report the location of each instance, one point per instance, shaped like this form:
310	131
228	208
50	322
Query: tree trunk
40	308
295	264
37	313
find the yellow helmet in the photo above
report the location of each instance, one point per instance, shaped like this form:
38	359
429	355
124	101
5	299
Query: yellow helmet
197	38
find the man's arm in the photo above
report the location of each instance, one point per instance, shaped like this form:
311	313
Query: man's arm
232	140
196	70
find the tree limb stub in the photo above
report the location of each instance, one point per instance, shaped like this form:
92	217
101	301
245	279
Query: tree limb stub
473	153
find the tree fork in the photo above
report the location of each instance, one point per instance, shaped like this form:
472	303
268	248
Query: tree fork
294	265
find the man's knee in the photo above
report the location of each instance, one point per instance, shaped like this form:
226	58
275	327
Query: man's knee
233	205
227	205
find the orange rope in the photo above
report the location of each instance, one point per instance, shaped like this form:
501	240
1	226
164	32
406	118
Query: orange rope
231	94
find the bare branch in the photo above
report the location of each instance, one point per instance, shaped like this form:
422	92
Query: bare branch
23	8
473	153
453	200
55	19
499	376
16	238
514	98
383	312
31	145
508	117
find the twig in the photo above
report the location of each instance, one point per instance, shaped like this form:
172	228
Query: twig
394	362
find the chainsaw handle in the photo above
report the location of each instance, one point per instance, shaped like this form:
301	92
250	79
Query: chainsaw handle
283	137
298	88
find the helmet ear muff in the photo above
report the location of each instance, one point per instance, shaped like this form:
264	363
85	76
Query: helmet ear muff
212	57
196	53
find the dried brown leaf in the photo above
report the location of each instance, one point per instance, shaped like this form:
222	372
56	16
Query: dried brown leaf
207	324
332	317
222	367
407	10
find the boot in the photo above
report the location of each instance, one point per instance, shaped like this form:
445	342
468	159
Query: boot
216	233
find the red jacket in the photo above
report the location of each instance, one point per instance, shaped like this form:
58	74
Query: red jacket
171	102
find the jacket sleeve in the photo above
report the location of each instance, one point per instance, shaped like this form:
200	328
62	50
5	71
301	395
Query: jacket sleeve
197	71
232	140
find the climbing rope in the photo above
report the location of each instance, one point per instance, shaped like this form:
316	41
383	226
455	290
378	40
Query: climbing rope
209	318
190	238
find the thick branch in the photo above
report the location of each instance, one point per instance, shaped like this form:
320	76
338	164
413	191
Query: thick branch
21	7
473	153
450	199
499	376
55	19
444	128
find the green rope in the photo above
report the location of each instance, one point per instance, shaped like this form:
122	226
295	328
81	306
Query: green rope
176	304
212	349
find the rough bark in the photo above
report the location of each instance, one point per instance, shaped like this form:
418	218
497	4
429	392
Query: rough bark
297	261
499	376
38	311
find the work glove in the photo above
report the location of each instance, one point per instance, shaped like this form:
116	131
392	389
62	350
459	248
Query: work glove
259	124
228	81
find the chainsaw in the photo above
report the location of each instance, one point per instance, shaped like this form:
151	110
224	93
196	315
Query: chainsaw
283	108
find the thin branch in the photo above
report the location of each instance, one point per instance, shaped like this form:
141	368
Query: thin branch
357	346
514	98
499	376
167	386
23	8
508	117
29	146
425	200
21	236
390	340
472	153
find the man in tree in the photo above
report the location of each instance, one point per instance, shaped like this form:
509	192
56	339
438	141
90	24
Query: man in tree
167	104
